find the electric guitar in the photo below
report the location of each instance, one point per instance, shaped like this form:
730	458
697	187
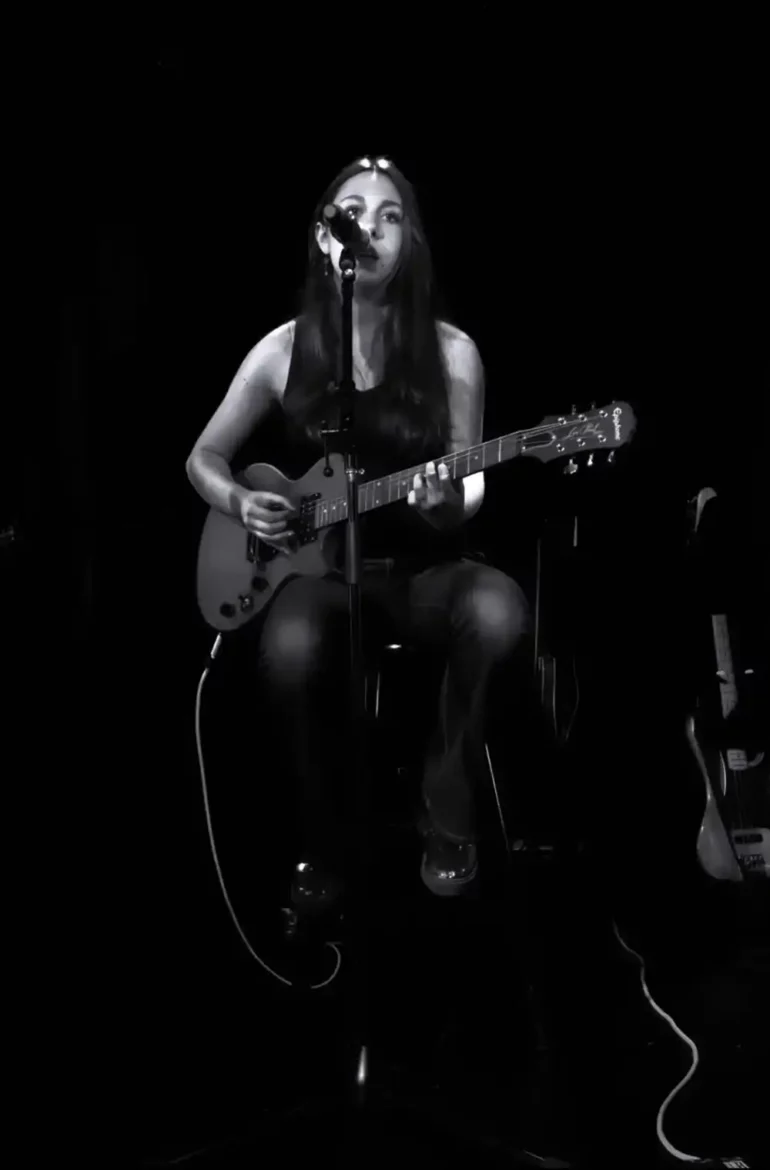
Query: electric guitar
734	836
238	573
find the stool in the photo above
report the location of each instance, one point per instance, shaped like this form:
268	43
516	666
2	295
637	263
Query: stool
374	675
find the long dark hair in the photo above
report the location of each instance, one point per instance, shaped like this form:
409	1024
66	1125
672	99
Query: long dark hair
418	404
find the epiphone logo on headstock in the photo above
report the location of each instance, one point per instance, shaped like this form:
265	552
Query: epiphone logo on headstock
616	420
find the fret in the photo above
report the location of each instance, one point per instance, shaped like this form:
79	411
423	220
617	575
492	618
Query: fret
378	492
591	430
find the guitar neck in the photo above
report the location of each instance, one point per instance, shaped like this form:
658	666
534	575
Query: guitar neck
612	426
375	493
724	658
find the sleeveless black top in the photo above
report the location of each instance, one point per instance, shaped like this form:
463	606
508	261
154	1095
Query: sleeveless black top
395	530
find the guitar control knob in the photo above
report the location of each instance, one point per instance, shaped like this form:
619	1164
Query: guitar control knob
259	584
227	610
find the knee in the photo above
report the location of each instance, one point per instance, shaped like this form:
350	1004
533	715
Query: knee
297	639
498	613
301	631
293	649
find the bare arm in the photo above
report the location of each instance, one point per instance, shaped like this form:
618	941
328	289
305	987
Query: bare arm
466	408
247	401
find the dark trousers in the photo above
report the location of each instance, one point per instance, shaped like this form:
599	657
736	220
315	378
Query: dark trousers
472	614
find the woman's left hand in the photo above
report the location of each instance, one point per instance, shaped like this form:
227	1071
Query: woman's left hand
434	490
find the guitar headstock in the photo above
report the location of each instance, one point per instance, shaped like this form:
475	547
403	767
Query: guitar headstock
602	428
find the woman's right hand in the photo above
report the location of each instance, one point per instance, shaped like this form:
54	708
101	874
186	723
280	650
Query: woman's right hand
268	515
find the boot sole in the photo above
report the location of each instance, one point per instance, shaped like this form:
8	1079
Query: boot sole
446	887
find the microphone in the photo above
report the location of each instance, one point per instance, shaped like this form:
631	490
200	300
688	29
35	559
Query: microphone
344	229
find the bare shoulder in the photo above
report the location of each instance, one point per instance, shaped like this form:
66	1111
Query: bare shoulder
283	335
259	380
460	353
451	333
280	341
264	360
466	386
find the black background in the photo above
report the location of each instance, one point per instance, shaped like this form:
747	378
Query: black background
599	227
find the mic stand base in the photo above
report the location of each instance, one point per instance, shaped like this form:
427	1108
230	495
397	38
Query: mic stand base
335	1125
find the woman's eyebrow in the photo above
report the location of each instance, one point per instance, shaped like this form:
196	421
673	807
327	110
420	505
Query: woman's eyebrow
360	199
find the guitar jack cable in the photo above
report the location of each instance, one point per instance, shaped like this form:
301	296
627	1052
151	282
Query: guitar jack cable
215	857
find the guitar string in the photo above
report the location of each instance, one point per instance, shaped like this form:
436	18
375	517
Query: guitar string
396	478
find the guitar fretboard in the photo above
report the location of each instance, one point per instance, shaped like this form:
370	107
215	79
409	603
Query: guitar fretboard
376	493
608	427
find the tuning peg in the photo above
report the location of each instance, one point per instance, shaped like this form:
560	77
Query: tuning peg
593	406
571	467
573	409
610	456
590	460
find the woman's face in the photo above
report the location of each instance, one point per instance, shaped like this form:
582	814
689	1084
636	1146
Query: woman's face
373	200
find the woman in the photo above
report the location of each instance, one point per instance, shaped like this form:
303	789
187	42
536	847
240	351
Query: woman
421	396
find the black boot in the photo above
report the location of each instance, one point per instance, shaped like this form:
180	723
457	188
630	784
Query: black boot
448	867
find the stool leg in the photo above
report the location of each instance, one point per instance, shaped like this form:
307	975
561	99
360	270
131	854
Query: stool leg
497	799
372	693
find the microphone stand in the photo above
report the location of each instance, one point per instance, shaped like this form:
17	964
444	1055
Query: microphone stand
343	442
359	1104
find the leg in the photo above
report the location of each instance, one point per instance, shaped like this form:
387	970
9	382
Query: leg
480	618
302	666
303	701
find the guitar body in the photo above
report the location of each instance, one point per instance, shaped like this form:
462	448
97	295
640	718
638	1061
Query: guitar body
715	851
749	783
238	574
733	840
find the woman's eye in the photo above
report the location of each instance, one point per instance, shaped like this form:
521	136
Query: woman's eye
391	216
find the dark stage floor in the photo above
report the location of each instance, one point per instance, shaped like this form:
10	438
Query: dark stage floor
514	1012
